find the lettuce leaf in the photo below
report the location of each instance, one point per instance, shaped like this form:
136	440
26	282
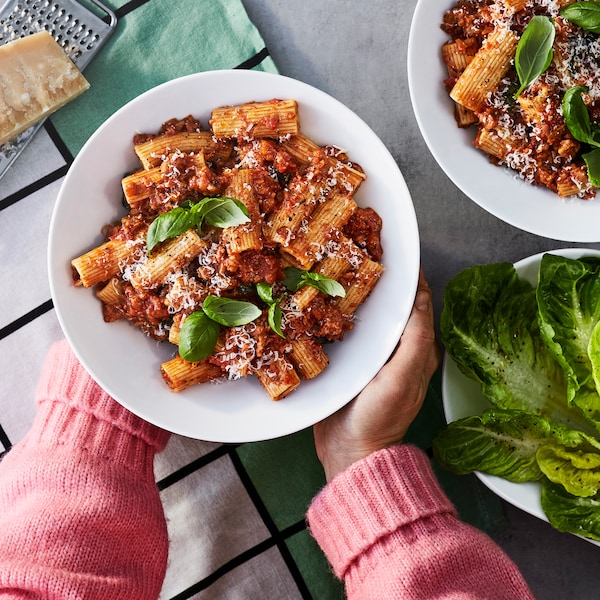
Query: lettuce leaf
489	326
499	442
575	469
594	356
536	354
520	446
570	513
568	297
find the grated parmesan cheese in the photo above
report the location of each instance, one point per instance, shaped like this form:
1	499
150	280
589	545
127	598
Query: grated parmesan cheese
137	258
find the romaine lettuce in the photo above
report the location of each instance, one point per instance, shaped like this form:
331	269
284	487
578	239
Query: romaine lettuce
499	442
536	354
567	512
576	470
489	326
520	446
568	297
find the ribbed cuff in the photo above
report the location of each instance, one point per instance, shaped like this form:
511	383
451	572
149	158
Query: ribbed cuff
385	491
73	409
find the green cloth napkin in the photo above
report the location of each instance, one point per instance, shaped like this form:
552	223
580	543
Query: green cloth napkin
158	41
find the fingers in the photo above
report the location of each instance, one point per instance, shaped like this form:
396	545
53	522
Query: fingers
382	413
418	350
423	296
408	372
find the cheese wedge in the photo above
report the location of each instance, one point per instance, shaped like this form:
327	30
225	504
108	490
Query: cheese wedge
36	78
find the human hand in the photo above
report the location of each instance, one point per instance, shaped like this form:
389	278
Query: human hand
381	414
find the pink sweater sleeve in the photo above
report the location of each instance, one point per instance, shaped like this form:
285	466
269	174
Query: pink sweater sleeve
390	532
80	512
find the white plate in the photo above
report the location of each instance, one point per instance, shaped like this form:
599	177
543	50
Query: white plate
496	189
462	397
126	363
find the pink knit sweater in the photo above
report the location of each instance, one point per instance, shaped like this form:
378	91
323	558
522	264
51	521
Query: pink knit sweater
82	516
390	532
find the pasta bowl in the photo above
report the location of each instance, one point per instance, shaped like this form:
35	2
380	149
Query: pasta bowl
498	190
126	363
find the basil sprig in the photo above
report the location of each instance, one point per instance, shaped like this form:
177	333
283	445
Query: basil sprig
577	118
200	330
296	278
219	212
265	292
584	14
534	51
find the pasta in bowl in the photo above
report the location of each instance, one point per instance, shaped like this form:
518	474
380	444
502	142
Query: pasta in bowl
136	369
474	81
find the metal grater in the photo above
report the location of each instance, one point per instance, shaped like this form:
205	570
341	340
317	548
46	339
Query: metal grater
79	31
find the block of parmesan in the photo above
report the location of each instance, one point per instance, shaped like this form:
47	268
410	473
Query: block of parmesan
36	78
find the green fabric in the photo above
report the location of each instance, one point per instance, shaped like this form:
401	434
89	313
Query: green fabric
287	464
159	41
289	468
475	503
311	561
287	474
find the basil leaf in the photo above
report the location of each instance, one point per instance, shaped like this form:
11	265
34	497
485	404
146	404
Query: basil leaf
223	212
596	131
584	14
577	116
324	284
296	278
274	318
265	292
293	279
168	225
198	337
230	313
534	51
592	161
219	212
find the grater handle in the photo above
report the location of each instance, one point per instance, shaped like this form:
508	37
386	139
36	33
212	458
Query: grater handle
109	13
85	58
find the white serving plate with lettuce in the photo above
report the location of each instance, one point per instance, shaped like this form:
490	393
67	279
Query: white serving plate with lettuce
462	398
126	363
497	190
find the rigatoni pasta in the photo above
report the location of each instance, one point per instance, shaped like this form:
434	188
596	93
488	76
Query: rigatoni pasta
242	246
510	65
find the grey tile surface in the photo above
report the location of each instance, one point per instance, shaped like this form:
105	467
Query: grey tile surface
356	51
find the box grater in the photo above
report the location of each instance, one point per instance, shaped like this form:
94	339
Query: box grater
80	31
